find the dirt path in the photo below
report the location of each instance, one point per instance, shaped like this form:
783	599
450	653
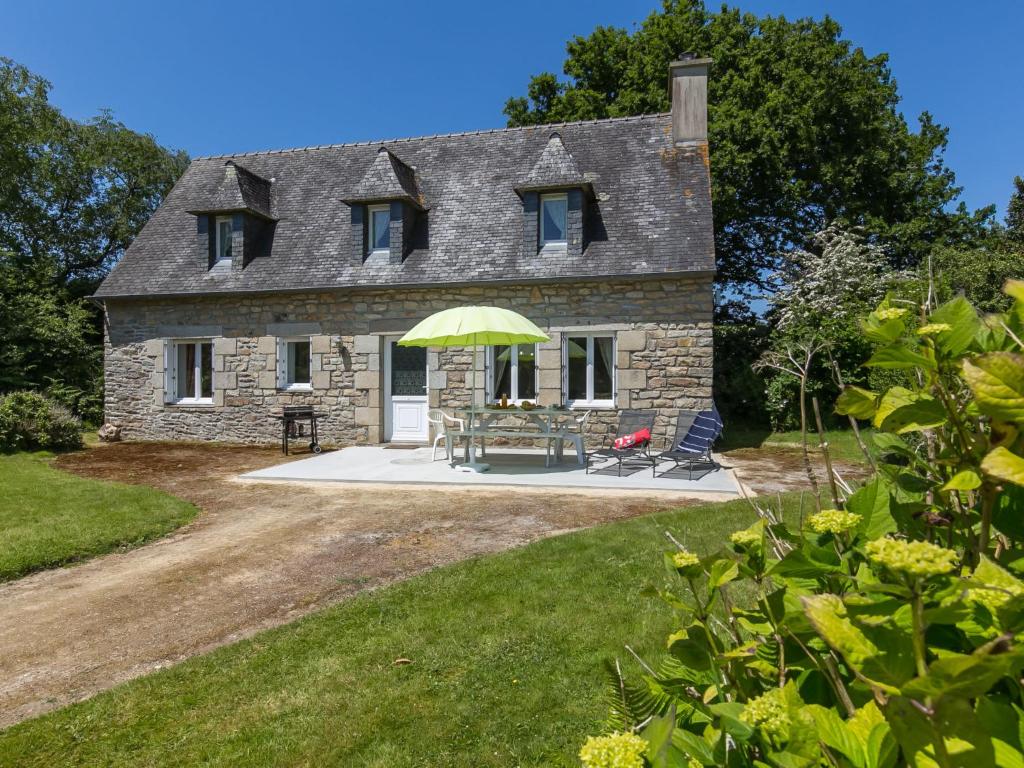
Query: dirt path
259	555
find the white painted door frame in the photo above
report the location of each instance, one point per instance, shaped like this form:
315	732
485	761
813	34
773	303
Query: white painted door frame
405	416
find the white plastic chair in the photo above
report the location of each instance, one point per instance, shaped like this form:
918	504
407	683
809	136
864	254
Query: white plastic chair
573	432
442	423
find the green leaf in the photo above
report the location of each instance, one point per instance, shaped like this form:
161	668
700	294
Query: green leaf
887	663
965	480
692	648
954	723
660	751
897	357
1003	464
997	380
722	572
882	331
963	676
694	746
903	410
729	718
1015	290
871	502
837	735
964	324
1008	514
1007	756
857	402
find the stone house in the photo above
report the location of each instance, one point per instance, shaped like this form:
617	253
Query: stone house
285	277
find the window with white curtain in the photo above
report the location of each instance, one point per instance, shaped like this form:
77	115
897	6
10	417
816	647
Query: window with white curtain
224	228
380	227
293	363
553	217
589	370
513	372
190	372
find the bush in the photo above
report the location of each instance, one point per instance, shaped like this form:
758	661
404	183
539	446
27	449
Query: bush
888	630
29	420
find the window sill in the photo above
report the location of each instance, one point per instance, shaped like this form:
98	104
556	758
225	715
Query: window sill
591	405
296	388
561	247
184	404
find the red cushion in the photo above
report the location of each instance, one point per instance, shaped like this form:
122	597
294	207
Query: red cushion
639	437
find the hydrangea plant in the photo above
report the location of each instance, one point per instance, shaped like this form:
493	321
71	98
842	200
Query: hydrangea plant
885	631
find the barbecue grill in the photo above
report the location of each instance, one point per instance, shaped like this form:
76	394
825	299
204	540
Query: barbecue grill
293	427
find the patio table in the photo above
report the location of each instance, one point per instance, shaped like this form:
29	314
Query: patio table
545	421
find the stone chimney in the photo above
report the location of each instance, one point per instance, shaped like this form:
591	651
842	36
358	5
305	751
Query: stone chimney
688	88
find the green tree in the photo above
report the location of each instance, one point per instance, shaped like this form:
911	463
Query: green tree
804	130
1015	214
73	195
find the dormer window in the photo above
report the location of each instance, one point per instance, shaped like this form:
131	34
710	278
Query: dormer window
553	212
380	228
223	249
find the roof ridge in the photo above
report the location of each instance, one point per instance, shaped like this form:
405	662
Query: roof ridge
454	134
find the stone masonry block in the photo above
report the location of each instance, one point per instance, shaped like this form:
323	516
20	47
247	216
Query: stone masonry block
632	341
549	358
267	380
632	379
366	417
367	380
267	345
366	345
322	345
224	346
321	380
225	380
155	348
437	380
550	378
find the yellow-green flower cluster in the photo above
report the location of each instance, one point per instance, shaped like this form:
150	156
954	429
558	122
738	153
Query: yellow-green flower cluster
931	329
890	313
747	539
617	750
684	559
912	558
995	588
833	521
768	713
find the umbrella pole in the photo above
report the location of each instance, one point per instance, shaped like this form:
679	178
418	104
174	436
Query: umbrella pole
473	465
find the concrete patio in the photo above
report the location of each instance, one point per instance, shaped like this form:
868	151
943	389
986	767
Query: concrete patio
509	466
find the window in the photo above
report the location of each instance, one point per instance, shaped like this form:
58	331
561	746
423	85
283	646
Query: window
513	372
589	370
380	227
293	363
553	210
224	228
191	368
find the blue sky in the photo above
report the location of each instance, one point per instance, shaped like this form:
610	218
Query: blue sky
213	77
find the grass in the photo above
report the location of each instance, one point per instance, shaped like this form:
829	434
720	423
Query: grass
506	667
842	442
50	518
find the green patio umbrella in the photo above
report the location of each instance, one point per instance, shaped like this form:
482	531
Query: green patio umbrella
473	327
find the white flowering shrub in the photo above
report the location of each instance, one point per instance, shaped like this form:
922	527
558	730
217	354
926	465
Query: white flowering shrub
885	631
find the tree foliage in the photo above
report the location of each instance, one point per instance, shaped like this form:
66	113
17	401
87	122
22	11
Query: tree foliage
803	125
72	197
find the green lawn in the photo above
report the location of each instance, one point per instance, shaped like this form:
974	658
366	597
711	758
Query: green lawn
842	443
50	518
506	657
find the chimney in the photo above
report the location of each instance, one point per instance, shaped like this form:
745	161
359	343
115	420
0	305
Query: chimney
688	88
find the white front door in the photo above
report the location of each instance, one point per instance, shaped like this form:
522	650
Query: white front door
405	394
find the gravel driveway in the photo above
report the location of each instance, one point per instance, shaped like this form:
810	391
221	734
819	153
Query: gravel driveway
259	555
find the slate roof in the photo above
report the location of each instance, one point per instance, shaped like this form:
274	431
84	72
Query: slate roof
236	189
554	169
387	178
651	213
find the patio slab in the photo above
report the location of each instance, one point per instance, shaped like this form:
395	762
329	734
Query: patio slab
509	466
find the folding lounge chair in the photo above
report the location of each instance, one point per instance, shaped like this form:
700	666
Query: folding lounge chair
629	422
695	434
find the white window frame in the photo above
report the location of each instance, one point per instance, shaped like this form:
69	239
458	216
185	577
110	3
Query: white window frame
513	373
171	373
544	242
370	210
589	401
284	364
229	220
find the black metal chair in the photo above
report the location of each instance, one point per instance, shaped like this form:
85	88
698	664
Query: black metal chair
629	422
696	433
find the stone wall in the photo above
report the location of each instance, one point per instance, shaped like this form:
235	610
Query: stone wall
662	330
